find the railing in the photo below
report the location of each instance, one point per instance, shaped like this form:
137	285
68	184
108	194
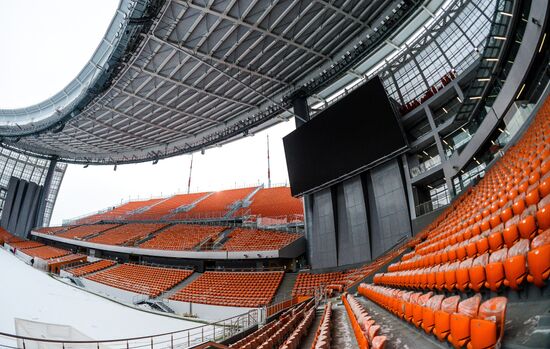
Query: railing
432	205
425	166
217	331
277	307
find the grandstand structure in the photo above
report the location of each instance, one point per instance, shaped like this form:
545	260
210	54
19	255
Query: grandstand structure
416	217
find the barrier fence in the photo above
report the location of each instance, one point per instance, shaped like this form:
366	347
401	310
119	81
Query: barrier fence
187	338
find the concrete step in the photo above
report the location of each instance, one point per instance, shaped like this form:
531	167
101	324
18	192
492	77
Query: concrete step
400	333
343	337
285	288
308	340
222	238
173	290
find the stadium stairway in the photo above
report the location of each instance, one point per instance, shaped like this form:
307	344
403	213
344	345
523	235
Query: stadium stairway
242	204
222	238
175	289
285	288
399	333
344	338
310	337
150	236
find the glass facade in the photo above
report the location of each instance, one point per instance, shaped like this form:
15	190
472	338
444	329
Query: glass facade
31	169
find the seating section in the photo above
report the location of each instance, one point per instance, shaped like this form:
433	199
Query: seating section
51	230
119	212
259	240
466	322
143	279
89	268
165	208
236	289
306	283
84	231
127	234
276	202
215	205
285	332
322	337
23	245
364	327
46	252
182	237
5	236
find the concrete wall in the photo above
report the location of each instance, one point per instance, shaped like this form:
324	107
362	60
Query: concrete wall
206	311
388	209
358	219
20	209
112	292
353	229
322	241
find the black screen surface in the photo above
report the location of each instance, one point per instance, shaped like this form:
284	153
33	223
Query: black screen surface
350	135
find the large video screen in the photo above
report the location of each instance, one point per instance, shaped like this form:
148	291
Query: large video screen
353	134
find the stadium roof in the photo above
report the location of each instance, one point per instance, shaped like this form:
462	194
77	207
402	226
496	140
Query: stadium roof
173	77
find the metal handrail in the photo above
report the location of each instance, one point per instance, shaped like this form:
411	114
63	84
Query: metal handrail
243	321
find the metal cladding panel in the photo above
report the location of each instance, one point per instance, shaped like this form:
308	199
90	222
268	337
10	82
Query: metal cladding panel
322	242
389	213
353	230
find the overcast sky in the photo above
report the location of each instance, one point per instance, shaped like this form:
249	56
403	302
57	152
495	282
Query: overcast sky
44	46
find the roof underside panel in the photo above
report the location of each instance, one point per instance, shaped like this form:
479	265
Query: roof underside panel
203	66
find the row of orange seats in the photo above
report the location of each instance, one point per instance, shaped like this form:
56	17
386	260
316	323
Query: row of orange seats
495	234
182	237
240	289
89	268
295	338
524	261
119	212
143	279
464	323
24	244
260	240
306	283
46	252
6	237
364	327
216	204
274	333
165	208
275	202
322	337
83	231
127	233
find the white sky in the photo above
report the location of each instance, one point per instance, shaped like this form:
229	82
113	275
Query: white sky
48	43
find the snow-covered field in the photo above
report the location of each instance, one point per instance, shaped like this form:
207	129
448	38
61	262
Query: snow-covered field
30	294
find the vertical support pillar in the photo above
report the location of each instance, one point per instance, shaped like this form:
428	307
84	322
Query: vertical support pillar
441	151
45	191
408	185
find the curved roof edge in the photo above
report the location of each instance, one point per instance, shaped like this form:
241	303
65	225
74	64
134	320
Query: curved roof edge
131	18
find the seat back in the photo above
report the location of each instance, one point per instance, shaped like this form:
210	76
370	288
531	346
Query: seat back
450	304
498	256
434	303
493	309
541	240
482	260
470	306
520	248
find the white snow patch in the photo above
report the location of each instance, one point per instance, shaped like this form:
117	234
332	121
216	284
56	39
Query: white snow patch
30	294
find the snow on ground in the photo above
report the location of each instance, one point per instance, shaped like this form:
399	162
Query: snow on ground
30	294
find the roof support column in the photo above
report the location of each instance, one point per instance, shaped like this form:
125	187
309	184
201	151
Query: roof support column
441	151
45	191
